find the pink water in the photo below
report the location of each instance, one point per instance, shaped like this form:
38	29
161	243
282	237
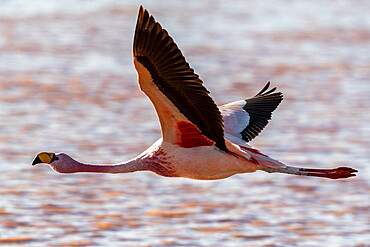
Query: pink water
67	83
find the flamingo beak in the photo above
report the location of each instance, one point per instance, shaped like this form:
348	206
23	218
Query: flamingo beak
44	157
36	161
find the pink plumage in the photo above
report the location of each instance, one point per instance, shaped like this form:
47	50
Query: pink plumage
199	139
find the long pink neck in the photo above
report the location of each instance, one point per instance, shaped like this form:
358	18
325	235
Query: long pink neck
130	166
73	166
154	159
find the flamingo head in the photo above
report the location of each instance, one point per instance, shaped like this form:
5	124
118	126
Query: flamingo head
59	162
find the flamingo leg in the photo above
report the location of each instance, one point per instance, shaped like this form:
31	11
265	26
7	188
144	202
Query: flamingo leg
340	172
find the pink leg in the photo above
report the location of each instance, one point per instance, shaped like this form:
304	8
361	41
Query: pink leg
340	172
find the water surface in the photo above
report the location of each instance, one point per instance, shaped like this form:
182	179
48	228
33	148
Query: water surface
67	83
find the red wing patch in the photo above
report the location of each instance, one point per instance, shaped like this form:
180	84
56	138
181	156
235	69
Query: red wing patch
190	136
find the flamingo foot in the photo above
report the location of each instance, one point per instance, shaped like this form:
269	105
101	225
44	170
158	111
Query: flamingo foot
340	172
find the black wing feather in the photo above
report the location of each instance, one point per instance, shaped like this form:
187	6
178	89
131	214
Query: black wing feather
157	51
260	109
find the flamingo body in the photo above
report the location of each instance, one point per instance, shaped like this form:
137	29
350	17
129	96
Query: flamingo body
200	140
170	160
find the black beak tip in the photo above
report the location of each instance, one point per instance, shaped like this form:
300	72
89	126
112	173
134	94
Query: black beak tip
36	161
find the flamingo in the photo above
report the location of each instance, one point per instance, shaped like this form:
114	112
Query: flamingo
199	140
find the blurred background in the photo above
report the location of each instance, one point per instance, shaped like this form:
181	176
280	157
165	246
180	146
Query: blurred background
67	84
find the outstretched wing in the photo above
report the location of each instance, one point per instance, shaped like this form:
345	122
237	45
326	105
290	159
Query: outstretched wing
187	114
245	119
